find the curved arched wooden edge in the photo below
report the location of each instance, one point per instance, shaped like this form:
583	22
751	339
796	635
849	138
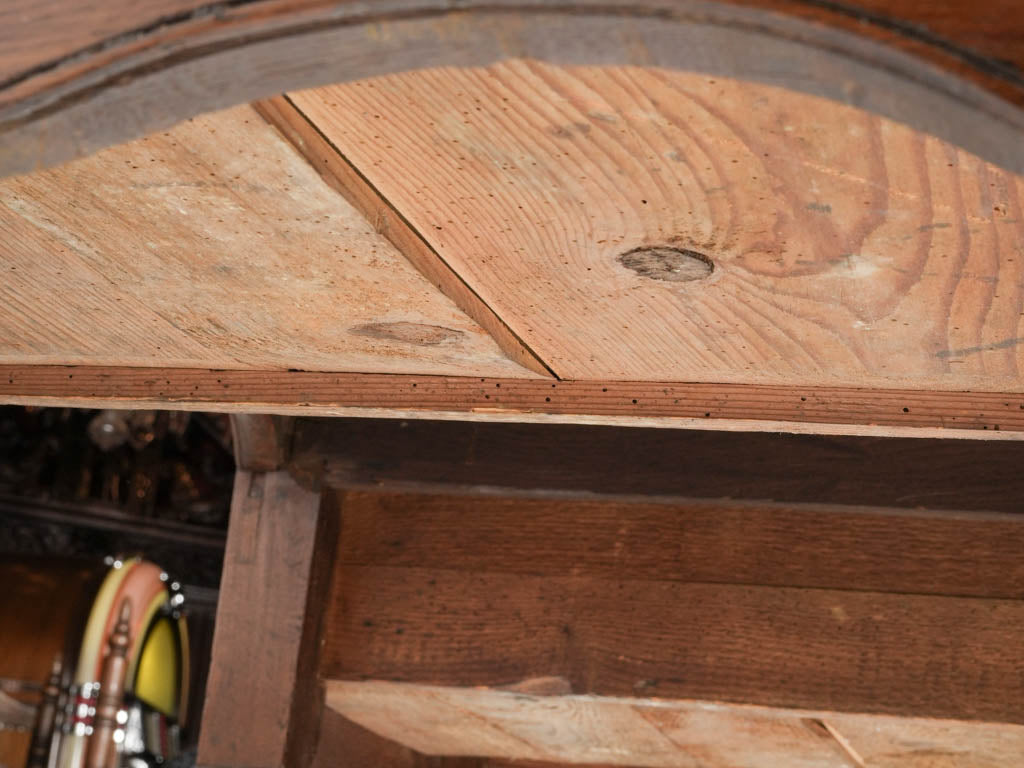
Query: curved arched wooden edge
818	410
142	70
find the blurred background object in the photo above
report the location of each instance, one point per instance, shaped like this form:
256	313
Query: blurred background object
81	482
82	490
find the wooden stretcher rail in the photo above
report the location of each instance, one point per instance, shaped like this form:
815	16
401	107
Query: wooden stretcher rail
988	415
579	461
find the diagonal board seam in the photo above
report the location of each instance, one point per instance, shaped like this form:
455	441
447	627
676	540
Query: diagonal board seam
343	176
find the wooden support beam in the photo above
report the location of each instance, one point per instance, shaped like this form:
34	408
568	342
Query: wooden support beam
706	541
730	407
573	460
902	613
262	705
663	733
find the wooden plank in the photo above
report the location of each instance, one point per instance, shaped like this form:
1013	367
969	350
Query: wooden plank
89	77
724	542
663	733
390	223
831	246
850	651
215	245
794	409
279	552
571	460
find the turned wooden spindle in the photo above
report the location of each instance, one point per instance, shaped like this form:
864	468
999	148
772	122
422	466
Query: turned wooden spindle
42	734
101	751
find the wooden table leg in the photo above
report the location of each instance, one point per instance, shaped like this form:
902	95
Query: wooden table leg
263	698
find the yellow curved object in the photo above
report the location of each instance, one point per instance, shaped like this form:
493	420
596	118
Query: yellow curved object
93	639
159	601
156	681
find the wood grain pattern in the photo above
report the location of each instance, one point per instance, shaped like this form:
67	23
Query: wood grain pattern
581	461
844	609
390	223
663	734
215	245
265	645
849	651
837	411
687	540
847	249
127	69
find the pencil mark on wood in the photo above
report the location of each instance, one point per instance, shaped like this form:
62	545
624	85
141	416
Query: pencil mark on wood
1004	344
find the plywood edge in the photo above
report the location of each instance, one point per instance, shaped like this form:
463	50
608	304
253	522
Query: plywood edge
344	178
978	415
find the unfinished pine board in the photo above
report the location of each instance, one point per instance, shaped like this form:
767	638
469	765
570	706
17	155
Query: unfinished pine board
836	247
663	733
215	245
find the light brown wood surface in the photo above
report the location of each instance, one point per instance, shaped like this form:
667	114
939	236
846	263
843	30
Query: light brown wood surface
663	733
389	222
215	245
847	248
